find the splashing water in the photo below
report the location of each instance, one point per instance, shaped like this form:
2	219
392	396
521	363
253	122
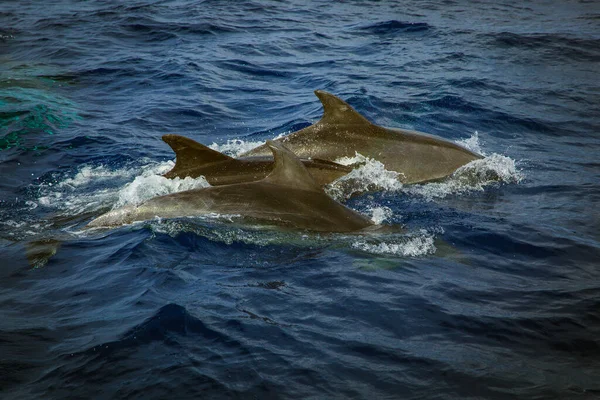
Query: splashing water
380	214
471	143
235	147
95	174
94	187
414	244
474	176
371	175
419	244
146	187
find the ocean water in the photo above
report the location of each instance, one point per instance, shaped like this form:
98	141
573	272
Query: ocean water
484	286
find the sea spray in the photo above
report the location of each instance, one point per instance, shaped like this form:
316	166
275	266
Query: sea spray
97	186
474	176
380	215
370	175
472	143
146	187
420	243
235	147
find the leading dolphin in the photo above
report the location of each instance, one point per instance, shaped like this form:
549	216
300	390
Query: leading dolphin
342	132
194	159
288	196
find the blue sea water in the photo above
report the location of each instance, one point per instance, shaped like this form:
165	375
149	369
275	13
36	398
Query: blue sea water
491	291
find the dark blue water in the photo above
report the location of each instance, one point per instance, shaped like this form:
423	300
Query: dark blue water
492	291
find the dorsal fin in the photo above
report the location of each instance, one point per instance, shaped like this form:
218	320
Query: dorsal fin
191	154
338	112
288	170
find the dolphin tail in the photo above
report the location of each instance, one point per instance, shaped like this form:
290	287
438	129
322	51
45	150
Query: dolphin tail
190	154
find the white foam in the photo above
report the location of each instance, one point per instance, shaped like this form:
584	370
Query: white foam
474	176
235	147
472	143
380	214
97	186
411	246
357	159
146	187
88	174
12	224
223	234
369	176
417	244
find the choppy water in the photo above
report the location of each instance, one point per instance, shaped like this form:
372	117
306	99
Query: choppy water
491	290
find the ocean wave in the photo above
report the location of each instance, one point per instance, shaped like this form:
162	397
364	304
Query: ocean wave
394	27
551	46
212	227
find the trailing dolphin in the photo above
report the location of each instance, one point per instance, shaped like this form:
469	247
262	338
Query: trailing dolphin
288	196
343	132
194	159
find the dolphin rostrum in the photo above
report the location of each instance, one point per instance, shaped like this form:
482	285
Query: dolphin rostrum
288	197
194	159
343	132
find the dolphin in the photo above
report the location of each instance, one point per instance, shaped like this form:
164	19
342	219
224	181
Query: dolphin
343	132
288	197
194	159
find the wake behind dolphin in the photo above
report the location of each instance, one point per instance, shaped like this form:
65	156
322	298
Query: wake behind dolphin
343	132
288	196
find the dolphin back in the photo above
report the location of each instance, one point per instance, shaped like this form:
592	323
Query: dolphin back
289	196
343	132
